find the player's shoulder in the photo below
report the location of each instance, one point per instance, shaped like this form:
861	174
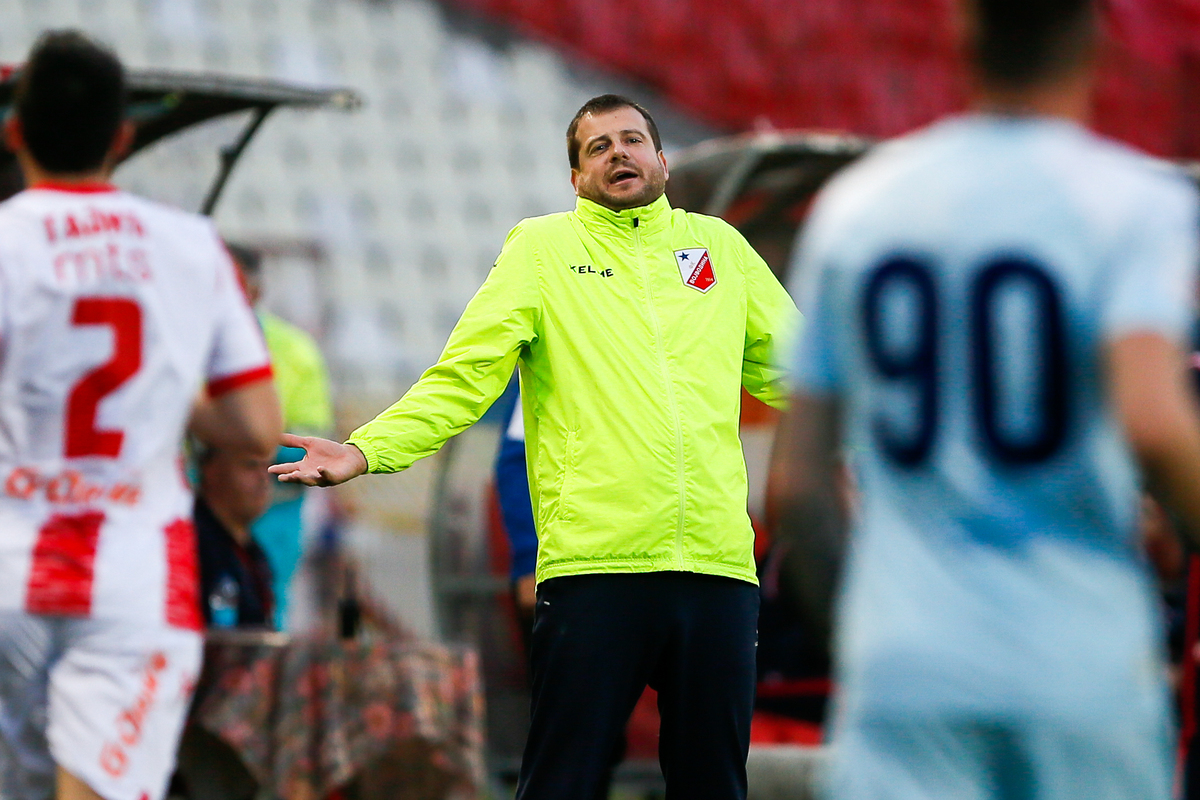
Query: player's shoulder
34	204
104	209
22	227
888	163
171	220
850	194
1138	175
18	209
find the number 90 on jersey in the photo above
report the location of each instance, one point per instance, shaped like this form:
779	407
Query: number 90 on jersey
1010	343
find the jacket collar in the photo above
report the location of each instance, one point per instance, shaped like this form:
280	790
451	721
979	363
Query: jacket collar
648	218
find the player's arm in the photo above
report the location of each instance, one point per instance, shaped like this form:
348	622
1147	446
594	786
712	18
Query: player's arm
805	503
239	409
1147	311
246	418
1157	407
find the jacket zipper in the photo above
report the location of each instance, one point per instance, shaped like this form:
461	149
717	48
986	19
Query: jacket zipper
672	404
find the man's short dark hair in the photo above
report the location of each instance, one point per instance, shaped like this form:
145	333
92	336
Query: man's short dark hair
601	105
70	99
1019	43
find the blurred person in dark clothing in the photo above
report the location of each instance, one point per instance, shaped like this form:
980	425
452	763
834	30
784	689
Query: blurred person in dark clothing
302	382
235	576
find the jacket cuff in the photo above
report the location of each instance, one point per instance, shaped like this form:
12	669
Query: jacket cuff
368	451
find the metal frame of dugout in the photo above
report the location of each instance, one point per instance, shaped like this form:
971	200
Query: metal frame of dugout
165	102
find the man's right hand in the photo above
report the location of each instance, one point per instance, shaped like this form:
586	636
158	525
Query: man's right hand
325	463
527	592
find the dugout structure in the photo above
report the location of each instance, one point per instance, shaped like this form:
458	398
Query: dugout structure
163	103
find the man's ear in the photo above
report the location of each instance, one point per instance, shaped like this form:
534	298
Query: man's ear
122	141
575	180
662	159
14	134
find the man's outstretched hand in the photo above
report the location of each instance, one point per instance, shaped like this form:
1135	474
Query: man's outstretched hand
325	463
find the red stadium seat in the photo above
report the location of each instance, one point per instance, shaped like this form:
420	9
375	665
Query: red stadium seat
836	64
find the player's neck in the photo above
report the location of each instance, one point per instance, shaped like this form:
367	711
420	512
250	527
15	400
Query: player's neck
1068	97
35	175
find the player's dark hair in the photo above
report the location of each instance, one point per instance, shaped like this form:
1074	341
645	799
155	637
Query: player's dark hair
70	99
600	105
1022	42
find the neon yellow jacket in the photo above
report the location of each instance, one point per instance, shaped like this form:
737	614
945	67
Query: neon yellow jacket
631	383
300	376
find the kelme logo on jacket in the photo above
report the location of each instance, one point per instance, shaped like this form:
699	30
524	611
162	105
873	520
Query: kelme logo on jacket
696	269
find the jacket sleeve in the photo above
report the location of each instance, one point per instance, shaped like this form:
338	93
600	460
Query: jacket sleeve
771	323
473	370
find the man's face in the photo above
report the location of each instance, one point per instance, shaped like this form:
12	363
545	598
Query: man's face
618	165
237	487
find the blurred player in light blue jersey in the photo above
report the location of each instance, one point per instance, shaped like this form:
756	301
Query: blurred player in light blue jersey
996	307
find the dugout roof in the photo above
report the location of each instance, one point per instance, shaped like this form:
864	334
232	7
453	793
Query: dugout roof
164	102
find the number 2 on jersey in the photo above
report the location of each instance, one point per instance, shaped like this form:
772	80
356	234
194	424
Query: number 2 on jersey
124	317
916	363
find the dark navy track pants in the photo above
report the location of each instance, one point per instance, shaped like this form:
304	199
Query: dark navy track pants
598	640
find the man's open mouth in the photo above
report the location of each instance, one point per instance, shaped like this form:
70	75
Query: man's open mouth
621	176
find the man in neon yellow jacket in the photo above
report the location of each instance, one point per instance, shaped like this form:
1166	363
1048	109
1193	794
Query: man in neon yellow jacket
634	326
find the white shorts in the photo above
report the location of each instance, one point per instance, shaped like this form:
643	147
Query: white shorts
103	699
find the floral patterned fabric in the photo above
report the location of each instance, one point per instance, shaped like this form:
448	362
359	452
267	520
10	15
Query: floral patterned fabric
308	717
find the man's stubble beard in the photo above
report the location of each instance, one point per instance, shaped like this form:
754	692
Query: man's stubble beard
656	184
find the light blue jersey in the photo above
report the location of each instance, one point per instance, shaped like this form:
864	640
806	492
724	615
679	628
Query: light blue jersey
959	287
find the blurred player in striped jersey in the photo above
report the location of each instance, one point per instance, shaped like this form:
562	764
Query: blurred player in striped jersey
115	313
997	307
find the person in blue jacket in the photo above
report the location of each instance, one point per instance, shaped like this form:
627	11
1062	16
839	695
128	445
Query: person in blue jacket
512	490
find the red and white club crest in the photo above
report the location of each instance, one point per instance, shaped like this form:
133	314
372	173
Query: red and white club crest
696	269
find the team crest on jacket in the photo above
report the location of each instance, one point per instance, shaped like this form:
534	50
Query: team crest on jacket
696	269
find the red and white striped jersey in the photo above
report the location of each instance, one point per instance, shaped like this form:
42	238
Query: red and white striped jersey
114	312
